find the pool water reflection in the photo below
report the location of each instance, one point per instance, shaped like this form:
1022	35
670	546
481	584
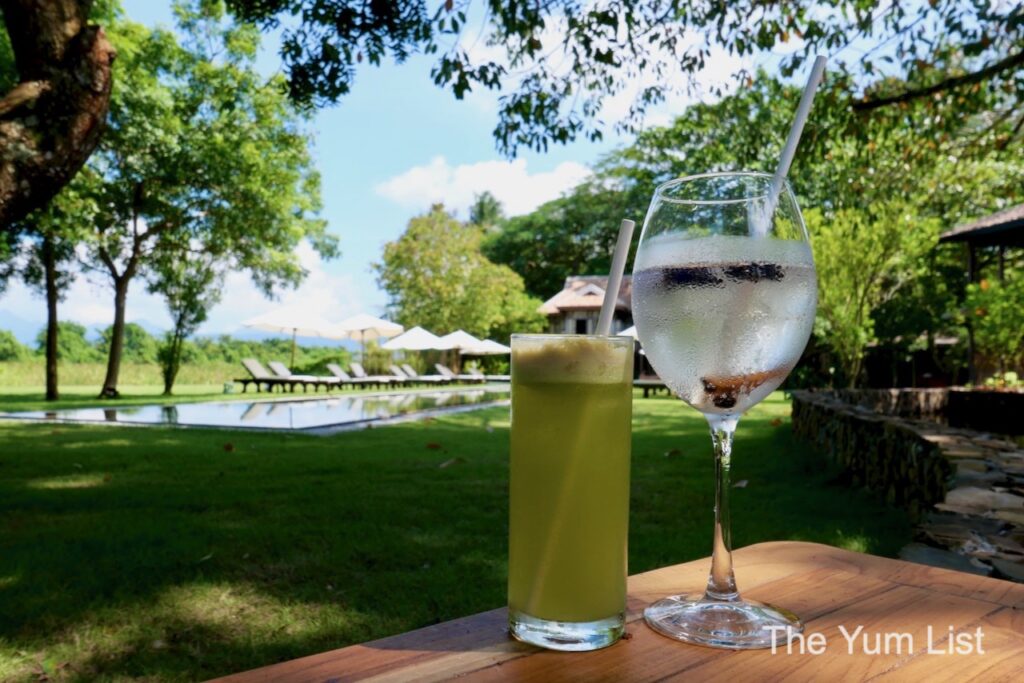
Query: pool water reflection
336	411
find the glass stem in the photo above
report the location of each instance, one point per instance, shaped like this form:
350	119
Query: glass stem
722	583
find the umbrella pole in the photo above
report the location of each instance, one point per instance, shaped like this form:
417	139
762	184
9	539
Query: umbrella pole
292	364
362	345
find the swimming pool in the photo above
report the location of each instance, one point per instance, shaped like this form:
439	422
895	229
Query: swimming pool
336	412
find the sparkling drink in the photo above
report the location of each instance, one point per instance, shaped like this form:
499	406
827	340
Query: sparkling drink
569	489
724	294
724	318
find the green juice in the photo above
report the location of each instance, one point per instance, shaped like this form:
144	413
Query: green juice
569	498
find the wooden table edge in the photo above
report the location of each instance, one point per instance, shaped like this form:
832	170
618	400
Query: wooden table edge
815	555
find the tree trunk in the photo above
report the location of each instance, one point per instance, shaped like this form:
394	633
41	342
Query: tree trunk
172	363
50	271
51	121
853	367
109	389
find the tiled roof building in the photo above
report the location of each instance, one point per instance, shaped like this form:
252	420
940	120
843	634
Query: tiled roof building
576	308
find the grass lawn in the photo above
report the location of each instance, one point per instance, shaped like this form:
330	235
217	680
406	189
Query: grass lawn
184	554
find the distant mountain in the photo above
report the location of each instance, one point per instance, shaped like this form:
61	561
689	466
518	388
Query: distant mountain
245	334
25	330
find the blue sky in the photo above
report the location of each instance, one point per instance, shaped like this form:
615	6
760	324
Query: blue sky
389	149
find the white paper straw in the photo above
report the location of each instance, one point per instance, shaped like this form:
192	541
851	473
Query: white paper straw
802	111
611	295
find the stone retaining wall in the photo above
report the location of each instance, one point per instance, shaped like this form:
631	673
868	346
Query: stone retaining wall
965	487
991	411
914	403
885	453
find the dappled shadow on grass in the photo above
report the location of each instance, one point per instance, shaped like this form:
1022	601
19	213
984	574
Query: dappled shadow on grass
364	524
187	648
786	490
198	553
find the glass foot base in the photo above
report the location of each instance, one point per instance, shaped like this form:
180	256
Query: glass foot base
739	625
571	636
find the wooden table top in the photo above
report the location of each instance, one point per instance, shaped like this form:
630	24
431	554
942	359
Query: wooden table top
829	588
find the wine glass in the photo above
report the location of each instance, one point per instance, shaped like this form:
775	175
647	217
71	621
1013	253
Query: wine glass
724	295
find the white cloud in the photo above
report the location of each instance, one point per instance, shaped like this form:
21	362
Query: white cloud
331	295
328	295
87	302
510	181
516	188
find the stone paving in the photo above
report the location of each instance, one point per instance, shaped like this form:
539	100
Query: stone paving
975	522
981	519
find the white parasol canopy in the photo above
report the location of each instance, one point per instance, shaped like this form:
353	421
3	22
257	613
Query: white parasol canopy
364	326
628	332
293	321
416	339
462	341
489	347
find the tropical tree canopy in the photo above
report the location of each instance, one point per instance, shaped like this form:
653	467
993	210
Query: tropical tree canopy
556	63
201	153
438	278
875	196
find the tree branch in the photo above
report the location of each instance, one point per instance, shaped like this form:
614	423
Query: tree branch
1013	133
1010	62
51	121
108	262
21	94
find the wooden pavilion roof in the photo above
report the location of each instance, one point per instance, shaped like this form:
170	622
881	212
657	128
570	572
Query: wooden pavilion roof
1002	229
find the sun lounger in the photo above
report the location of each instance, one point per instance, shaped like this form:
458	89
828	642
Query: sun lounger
432	379
360	373
346	378
259	377
450	374
490	378
305	381
399	374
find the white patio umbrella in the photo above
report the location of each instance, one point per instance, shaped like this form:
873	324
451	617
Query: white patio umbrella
461	341
366	327
489	347
416	339
294	321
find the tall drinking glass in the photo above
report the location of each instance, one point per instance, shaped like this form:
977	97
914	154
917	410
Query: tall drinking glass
724	295
569	489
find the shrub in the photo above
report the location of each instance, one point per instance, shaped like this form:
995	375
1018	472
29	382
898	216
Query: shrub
995	313
11	348
72	346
